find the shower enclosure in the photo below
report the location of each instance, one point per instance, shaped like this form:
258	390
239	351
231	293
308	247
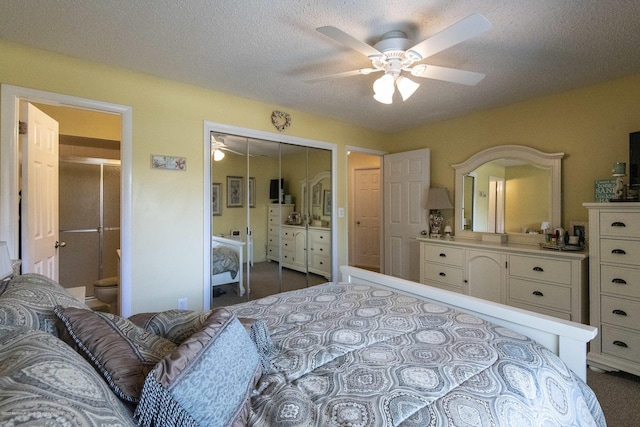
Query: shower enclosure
89	191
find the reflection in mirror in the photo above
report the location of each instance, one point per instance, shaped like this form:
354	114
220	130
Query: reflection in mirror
507	189
276	233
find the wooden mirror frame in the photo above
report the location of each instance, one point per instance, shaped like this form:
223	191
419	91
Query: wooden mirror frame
551	161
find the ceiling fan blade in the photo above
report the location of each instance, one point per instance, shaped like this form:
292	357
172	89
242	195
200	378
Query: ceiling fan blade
452	75
462	30
362	71
349	41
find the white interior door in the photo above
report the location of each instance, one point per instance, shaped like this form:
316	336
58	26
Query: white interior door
367	218
39	210
406	183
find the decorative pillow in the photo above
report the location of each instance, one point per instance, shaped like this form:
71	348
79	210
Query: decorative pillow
174	325
121	351
28	301
178	325
44	382
206	381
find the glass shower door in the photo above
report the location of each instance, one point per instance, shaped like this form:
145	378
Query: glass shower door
89	192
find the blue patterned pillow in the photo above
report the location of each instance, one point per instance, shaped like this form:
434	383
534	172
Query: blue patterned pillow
206	381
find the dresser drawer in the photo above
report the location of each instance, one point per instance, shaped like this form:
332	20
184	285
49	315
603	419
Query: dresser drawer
541	269
620	312
320	236
620	224
544	294
621	343
620	280
443	254
542	310
442	273
620	251
321	248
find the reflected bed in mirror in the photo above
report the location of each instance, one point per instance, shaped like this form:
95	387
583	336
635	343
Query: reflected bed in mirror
507	189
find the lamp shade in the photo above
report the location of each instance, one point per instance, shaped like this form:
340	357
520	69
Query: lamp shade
438	199
6	268
218	155
406	87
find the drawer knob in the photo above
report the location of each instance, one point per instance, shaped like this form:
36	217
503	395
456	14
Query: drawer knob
618	224
619	281
443	275
618	252
619	312
538	293
538	269
443	255
620	344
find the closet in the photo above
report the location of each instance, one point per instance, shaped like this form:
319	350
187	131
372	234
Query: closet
286	235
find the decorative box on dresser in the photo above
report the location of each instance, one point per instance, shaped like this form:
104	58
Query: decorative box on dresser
526	276
614	269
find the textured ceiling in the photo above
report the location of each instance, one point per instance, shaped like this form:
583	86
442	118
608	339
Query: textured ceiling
266	50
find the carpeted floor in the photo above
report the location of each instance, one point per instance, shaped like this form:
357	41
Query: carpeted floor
619	396
265	280
618	392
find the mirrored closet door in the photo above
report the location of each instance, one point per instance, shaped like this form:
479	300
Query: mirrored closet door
271	209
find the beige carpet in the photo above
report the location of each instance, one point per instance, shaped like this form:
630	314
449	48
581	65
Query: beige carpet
619	396
266	279
618	392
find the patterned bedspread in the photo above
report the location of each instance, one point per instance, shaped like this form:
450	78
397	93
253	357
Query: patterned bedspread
359	355
225	259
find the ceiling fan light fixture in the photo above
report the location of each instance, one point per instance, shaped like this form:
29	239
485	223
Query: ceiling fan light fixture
218	155
383	98
406	87
384	86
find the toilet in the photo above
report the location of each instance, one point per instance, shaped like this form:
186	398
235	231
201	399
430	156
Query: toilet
106	290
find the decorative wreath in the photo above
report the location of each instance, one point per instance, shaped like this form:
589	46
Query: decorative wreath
280	120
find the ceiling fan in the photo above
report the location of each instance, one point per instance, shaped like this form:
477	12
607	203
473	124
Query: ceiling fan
217	147
394	53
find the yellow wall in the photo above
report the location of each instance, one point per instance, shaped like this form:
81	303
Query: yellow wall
168	232
591	125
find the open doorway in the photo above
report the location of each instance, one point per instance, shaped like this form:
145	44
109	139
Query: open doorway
365	210
89	196
12	96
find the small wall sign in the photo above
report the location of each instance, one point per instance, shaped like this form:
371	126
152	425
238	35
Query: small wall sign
168	162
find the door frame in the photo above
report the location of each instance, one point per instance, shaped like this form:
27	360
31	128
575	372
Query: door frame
349	185
10	166
267	136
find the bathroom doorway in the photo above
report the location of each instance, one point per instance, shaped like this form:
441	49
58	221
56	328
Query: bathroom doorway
89	191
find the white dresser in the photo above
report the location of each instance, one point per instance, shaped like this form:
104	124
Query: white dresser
526	276
303	248
614	269
278	214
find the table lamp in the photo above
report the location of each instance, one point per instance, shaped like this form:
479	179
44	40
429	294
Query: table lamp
437	200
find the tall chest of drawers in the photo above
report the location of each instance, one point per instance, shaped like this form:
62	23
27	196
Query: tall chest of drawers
614	275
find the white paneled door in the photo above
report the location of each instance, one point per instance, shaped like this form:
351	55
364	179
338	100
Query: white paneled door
39	199
367	218
406	184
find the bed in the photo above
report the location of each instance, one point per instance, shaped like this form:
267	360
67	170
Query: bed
374	350
227	262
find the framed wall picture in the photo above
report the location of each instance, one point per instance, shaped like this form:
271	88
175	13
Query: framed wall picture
235	192
216	192
326	205
252	192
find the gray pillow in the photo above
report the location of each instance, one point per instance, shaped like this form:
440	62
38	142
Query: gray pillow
28	301
43	381
206	381
121	351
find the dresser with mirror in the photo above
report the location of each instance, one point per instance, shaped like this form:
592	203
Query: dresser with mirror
502	196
